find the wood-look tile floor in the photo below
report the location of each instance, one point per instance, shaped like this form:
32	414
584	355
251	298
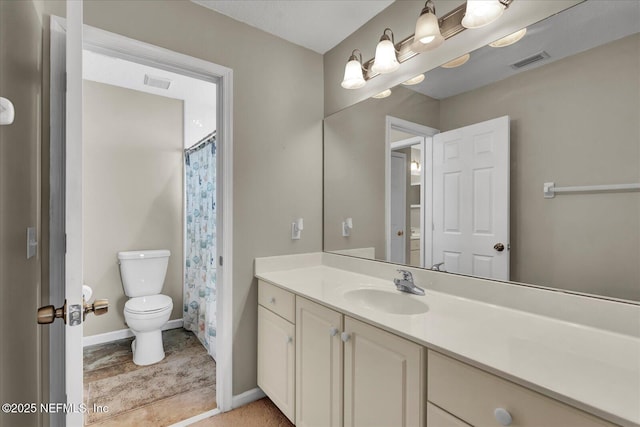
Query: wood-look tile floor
261	413
180	386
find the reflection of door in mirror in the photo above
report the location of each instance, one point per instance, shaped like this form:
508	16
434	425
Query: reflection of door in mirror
471	191
398	207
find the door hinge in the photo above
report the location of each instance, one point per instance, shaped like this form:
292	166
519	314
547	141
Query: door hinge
220	260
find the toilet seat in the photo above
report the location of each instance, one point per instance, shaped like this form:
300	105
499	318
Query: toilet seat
148	304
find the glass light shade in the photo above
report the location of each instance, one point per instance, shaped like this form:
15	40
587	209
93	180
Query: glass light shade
427	34
457	62
414	80
382	94
481	12
510	39
385	60
353	77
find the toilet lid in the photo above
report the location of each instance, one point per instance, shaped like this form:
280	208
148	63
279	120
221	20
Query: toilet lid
148	304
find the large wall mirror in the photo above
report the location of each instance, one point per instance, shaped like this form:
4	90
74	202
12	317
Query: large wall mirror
450	174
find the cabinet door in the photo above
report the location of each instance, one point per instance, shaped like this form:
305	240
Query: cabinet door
384	378
276	360
318	365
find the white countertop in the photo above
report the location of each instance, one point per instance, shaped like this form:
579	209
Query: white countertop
590	368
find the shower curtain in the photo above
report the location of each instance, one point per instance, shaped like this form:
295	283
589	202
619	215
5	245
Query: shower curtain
200	251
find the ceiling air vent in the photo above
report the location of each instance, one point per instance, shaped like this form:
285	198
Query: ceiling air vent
530	60
158	82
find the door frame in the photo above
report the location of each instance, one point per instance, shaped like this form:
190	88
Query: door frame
112	44
426	215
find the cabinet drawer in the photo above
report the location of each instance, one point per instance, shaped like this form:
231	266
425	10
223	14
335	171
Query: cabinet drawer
415	244
436	417
473	395
278	300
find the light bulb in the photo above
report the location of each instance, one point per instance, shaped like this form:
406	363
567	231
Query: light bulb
385	60
481	12
427	35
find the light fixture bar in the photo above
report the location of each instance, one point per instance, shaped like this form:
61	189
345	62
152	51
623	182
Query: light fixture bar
450	25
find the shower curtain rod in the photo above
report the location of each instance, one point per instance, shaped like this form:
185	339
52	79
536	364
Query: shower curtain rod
197	145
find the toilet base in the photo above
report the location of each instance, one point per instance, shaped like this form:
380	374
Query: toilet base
147	348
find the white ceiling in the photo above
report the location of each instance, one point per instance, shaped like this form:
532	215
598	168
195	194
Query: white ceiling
318	25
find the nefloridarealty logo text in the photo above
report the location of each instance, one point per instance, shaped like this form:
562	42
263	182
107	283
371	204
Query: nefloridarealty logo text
52	408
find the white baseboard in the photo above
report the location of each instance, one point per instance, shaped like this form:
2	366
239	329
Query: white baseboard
123	333
195	419
247	397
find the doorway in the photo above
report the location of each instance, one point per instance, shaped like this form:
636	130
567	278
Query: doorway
122	48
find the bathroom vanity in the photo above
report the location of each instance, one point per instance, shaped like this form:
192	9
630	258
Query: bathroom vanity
339	345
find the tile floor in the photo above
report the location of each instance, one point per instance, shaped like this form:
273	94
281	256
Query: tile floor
180	386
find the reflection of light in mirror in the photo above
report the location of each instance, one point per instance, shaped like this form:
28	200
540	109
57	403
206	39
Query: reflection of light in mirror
382	94
482	12
197	122
414	80
457	62
510	39
415	166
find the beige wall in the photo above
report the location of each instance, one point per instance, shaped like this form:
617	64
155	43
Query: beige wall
277	116
354	142
20	144
133	191
574	122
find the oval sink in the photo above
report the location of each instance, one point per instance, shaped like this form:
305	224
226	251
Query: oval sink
386	301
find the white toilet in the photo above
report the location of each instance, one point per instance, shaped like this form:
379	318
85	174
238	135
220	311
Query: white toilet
146	311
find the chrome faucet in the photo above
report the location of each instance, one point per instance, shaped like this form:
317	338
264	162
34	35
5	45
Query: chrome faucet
436	267
406	283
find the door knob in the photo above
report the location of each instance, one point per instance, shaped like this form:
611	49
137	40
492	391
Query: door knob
498	247
99	307
49	313
400	233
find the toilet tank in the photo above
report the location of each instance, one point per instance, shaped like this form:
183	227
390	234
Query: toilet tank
143	272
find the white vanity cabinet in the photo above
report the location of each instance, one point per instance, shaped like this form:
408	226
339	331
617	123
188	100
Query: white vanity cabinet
384	375
276	347
384	378
471	396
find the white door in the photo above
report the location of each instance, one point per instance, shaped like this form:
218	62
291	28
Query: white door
398	208
73	209
471	199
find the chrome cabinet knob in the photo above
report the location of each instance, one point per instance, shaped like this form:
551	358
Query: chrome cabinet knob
333	332
345	337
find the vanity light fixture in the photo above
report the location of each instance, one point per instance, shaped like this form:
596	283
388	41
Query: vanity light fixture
427	35
483	12
510	39
457	62
414	80
353	76
385	60
385	93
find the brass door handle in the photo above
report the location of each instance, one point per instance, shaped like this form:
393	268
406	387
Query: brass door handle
99	307
400	233
49	313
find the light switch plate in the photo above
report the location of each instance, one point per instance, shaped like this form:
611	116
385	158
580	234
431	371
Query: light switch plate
32	242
